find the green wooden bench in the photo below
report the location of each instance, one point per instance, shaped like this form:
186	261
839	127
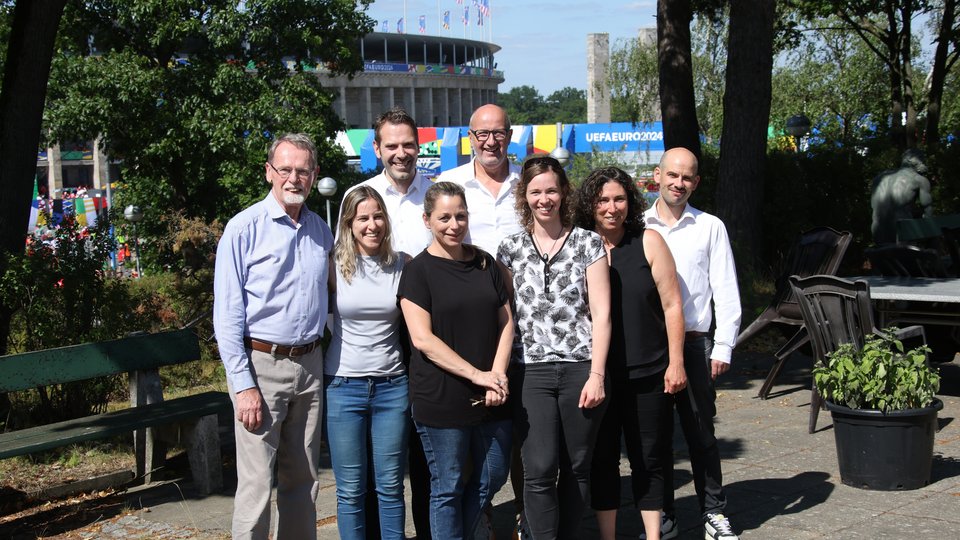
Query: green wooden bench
189	421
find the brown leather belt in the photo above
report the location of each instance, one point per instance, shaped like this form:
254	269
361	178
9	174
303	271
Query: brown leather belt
693	334
280	350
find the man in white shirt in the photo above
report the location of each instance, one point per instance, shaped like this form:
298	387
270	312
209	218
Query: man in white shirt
489	180
397	146
701	249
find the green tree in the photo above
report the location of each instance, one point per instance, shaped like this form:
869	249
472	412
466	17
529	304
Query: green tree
886	28
634	70
567	105
524	105
835	80
190	93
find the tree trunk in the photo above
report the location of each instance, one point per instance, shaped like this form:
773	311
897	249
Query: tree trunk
33	32
891	42
906	61
746	114
938	76
677	103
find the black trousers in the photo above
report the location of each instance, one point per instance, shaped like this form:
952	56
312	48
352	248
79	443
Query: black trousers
640	411
696	407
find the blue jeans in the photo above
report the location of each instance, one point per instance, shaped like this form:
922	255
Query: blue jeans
364	411
455	500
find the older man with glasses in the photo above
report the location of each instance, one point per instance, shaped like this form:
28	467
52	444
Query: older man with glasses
270	308
489	179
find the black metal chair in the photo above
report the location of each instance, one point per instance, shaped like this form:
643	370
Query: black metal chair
818	251
836	311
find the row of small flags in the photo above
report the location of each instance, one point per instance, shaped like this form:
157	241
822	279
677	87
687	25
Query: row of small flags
483	10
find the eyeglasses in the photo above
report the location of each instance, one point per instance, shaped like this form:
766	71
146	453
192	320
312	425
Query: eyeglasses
285	172
483	134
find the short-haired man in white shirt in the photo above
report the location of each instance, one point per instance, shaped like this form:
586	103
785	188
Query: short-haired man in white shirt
489	179
701	249
397	145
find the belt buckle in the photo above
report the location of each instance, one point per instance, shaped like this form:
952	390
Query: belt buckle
273	350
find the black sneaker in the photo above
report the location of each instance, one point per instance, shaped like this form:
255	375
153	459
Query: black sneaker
717	527
668	528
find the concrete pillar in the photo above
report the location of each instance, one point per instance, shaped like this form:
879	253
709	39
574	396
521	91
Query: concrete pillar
446	121
391	98
431	110
343	103
460	121
100	164
598	89
368	107
54	171
412	92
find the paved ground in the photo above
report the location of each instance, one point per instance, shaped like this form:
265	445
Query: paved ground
781	482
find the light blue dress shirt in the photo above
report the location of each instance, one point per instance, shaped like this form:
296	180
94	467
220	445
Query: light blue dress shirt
270	283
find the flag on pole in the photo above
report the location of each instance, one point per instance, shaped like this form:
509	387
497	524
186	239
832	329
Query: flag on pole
460	2
80	212
484	7
446	20
90	209
400	25
385	27
479	18
34	208
466	15
423	24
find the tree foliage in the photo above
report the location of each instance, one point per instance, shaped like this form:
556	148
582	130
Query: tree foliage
634	70
836	81
190	93
525	106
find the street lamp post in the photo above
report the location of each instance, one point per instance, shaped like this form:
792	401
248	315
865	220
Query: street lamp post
560	153
328	188
133	214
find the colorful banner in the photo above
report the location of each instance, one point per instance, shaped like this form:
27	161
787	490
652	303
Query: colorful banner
34	208
466	15
423	24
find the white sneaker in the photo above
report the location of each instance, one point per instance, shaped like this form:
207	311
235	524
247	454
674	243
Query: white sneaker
717	527
668	528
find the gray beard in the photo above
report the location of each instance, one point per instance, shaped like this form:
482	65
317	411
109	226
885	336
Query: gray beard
293	198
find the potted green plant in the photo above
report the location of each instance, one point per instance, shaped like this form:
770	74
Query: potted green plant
884	408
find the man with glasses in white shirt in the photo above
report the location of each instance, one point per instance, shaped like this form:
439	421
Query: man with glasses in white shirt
705	266
270	307
488	180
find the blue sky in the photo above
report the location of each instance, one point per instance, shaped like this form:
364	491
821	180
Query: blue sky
543	44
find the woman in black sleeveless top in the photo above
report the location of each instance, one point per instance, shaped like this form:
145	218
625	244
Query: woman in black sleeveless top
645	361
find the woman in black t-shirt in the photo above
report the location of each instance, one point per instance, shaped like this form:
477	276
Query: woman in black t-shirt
456	307
645	361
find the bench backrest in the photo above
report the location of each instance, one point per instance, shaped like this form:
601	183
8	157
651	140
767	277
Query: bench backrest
89	360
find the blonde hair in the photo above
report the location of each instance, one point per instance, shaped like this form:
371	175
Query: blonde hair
345	253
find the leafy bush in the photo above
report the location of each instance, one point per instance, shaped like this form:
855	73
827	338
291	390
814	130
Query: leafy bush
880	375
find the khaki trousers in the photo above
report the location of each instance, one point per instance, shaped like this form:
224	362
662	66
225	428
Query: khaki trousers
289	438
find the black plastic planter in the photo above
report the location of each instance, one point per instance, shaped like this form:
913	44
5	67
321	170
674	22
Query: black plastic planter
885	452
